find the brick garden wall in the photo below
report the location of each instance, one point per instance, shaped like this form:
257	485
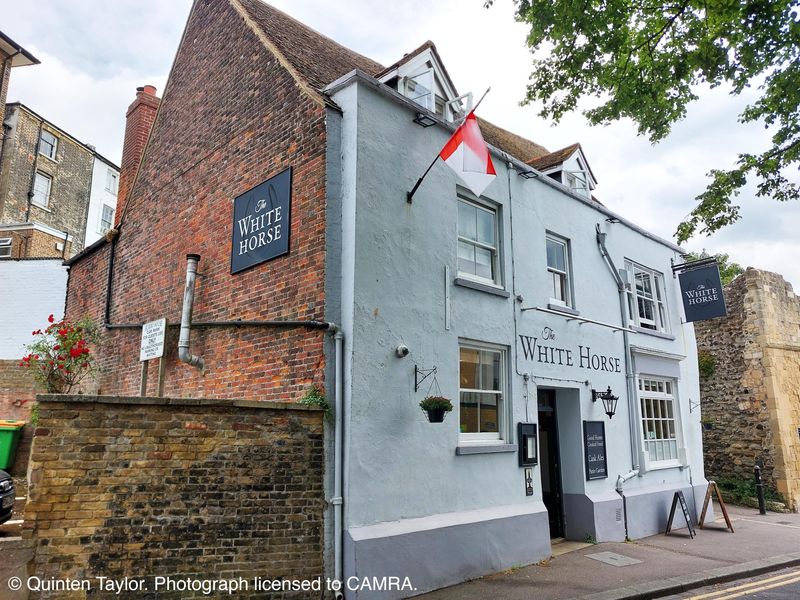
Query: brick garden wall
184	488
231	116
753	397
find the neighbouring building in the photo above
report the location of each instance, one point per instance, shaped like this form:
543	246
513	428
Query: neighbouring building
274	184
751	395
11	55
55	191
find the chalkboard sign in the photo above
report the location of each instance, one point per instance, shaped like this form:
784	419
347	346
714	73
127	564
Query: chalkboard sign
678	497
594	449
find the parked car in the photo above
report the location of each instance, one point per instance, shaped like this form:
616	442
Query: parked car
7	496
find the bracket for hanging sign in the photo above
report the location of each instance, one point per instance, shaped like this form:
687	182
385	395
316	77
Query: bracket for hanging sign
421	375
693	405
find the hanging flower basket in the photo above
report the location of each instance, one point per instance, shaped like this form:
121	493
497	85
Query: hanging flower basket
436	408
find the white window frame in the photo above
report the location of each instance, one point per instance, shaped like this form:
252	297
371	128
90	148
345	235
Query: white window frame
53	147
496	280
552	272
425	100
112	181
43	177
6	246
503	411
661	397
660	320
101	228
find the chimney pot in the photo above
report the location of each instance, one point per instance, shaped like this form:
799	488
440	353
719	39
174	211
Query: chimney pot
150	90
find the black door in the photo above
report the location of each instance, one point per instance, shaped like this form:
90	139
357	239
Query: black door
549	463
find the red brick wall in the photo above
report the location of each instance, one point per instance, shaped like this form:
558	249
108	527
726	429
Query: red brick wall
17	391
231	116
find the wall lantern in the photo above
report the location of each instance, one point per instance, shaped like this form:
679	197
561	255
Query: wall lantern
424	120
609	400
528	174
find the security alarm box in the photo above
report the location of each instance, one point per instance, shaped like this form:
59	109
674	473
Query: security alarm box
528	446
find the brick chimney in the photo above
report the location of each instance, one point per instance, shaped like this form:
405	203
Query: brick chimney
138	123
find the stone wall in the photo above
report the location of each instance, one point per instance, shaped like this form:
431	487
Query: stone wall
200	489
752	401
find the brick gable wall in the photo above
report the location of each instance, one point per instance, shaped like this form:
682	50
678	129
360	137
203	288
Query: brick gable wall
231	116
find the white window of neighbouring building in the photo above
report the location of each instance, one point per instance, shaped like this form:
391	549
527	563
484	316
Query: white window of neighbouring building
5	247
558	270
41	190
48	144
659	422
477	242
106	219
112	181
481	392
646	298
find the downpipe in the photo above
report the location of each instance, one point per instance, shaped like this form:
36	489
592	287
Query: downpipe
338	474
184	354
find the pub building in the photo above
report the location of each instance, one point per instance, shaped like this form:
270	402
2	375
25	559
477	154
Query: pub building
281	163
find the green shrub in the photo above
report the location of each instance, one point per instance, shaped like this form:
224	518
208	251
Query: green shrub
315	397
706	363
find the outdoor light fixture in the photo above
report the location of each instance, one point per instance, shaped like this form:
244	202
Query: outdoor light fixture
528	174
424	120
609	400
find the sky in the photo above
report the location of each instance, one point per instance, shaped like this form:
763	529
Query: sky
95	53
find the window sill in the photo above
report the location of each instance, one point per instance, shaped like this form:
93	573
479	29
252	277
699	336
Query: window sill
563	309
482	287
658	334
464	449
40	207
660	466
52	160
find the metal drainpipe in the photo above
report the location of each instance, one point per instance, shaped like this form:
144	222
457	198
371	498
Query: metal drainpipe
629	383
186	314
338	474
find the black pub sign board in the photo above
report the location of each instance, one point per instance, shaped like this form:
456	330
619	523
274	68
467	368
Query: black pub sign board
261	222
594	449
701	290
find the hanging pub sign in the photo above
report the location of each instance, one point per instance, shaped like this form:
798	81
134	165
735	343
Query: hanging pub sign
701	290
261	222
594	449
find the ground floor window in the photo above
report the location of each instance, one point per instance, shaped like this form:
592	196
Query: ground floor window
659	422
481	392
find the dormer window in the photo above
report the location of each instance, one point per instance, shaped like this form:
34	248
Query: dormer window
420	76
568	166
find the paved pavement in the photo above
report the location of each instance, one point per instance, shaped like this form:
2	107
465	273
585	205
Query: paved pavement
669	564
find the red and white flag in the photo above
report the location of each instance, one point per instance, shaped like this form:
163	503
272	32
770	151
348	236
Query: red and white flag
467	154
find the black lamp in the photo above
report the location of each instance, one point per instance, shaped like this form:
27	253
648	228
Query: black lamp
609	400
424	120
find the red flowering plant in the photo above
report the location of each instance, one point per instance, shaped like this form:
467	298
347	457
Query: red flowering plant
60	357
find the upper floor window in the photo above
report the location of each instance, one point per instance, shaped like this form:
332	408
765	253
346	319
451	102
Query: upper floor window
112	181
48	144
106	219
41	190
477	241
482	383
5	247
420	89
558	270
659	421
646	299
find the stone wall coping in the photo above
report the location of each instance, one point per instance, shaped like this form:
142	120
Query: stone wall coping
159	401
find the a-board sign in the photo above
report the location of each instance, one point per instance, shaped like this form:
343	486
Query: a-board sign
594	449
261	222
678	497
152	345
701	290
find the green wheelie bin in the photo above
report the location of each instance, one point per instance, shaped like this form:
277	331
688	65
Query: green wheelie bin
10	432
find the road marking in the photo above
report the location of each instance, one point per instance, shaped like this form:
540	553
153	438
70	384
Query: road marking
768	523
749	585
761	589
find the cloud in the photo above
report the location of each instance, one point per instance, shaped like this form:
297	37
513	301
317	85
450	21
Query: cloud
94	54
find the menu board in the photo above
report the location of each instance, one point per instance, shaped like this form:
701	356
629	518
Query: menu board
594	449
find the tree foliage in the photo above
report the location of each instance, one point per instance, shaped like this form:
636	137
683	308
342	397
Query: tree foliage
645	60
728	270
